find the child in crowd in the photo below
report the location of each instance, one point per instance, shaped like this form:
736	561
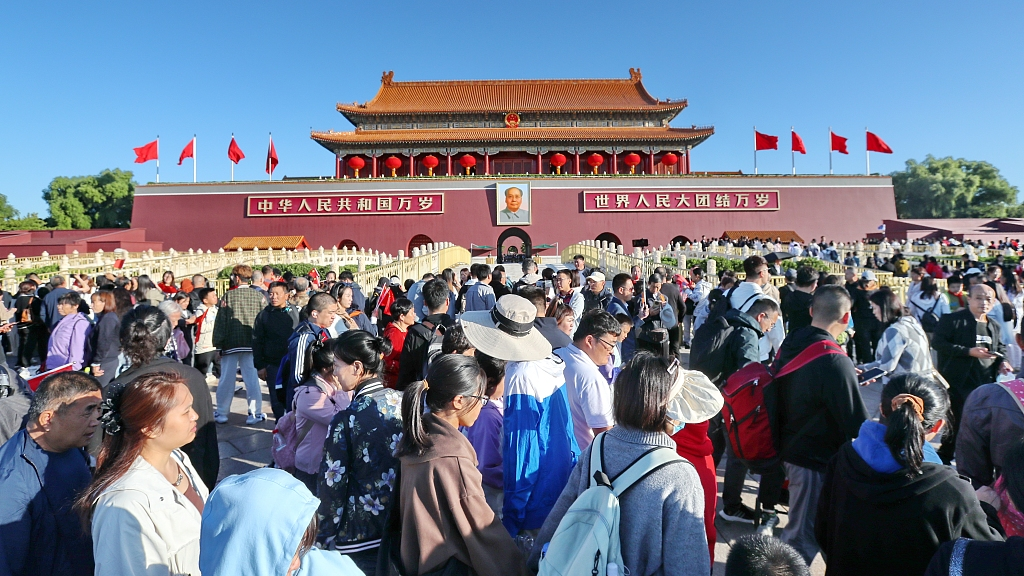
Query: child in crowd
485	435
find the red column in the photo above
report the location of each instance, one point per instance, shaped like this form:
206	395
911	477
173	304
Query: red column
449	164
337	166
412	165
375	174
615	163
650	156
576	159
688	160
539	169
487	163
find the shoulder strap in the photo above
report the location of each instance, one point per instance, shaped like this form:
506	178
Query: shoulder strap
1016	391
643	467
932	309
809	354
596	451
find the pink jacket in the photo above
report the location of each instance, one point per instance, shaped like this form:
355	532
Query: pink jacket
312	404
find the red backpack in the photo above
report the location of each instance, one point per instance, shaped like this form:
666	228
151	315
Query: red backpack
745	413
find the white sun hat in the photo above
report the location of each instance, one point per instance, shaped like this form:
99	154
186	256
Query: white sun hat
506	331
694	398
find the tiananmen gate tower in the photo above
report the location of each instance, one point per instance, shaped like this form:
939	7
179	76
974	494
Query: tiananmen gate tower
488	164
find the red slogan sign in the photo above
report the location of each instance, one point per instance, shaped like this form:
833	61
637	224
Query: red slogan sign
681	201
346	204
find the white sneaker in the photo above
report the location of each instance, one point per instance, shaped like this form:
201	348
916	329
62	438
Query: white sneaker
220	418
255	419
239	388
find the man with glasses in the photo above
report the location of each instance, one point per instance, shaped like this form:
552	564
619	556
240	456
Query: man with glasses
590	396
970	354
751	290
741	348
622	294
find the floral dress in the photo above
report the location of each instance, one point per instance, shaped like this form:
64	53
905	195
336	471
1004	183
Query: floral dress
357	474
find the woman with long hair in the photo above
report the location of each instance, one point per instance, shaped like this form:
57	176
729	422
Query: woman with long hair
146	500
403	316
147	292
357	474
903	348
108	339
445	517
145	332
166	284
123	301
448	275
891	477
316	400
350	317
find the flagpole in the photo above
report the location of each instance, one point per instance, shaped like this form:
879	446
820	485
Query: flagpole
867	155
270	165
755	149
157	158
792	152
830	150
195	154
232	161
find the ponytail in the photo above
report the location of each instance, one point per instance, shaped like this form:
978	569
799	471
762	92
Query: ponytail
361	346
318	357
912	404
450	375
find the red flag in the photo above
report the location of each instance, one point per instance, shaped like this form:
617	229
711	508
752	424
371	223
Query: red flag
798	143
271	158
387	298
234	152
314	275
765	141
119	264
188	152
876	144
35	381
838	143
146	153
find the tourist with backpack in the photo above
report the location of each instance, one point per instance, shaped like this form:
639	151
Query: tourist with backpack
816	409
928	304
436	299
740	349
902	349
445	521
653	510
622	294
31	328
71	341
316	400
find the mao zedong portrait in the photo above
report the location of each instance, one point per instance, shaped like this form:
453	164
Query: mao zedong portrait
514	213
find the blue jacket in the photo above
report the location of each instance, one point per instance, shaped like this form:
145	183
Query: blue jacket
40	534
540	449
237	540
615	307
291	368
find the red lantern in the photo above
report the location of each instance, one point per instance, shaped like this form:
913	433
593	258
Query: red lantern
631	160
467	161
558	160
669	159
430	162
393	163
595	160
356	163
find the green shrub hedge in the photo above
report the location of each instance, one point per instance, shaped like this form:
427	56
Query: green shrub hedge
296	269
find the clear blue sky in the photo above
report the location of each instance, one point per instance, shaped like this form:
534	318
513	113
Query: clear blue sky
81	83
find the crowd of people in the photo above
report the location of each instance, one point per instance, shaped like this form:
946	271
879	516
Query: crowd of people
465	423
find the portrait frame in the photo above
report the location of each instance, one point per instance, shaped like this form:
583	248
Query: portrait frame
521	217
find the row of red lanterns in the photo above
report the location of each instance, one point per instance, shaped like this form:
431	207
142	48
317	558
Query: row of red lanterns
557	160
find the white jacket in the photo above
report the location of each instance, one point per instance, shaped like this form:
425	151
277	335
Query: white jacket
204	340
143	526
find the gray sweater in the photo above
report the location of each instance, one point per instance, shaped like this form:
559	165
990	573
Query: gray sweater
662	517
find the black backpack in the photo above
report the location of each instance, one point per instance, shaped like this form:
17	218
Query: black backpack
719	304
707	351
929	320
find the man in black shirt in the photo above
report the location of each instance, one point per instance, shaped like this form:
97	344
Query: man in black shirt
796	308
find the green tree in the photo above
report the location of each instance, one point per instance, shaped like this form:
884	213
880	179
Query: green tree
30	222
83	202
7	212
953	188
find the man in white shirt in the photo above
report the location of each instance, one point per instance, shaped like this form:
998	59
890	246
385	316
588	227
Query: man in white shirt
590	395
